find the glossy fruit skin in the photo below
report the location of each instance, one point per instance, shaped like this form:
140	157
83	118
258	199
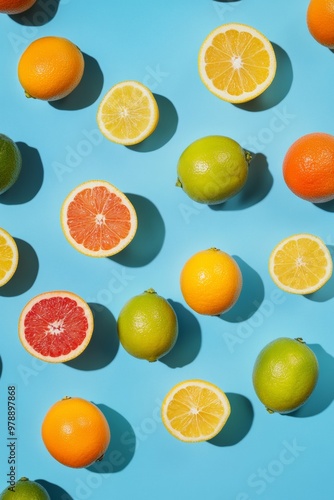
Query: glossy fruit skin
15	6
10	163
147	326
308	167
75	432
25	490
285	374
211	282
212	169
320	21
50	68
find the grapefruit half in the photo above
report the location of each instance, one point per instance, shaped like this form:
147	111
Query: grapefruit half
98	219
56	326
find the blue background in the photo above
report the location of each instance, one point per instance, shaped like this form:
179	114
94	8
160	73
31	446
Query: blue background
257	455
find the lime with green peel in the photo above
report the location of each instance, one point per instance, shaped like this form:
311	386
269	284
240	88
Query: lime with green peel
24	489
285	374
213	169
147	326
10	163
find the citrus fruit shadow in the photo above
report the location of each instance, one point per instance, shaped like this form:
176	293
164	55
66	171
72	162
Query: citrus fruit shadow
54	490
30	178
166	128
103	345
189	339
323	394
38	15
328	206
239	422
259	183
251	296
279	87
122	443
326	292
0	366
26	272
149	237
88	90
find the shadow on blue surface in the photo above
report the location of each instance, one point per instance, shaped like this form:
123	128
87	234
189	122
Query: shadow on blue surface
30	179
279	87
42	12
327	291
328	206
55	491
103	345
323	394
258	185
251	296
149	238
189	339
166	128
88	90
26	272
122	444
239	423
0	366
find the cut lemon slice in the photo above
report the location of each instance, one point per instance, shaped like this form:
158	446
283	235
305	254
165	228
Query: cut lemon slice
9	257
300	264
236	62
98	219
195	410
128	113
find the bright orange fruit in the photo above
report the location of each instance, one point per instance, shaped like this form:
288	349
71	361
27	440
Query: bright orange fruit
98	219
211	282
15	6
308	167
320	21
75	432
50	68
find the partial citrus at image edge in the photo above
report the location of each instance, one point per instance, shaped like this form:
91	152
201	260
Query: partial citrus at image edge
50	314
9	257
233	63
93	220
128	113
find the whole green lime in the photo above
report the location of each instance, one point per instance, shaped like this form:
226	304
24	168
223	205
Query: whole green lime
147	326
213	169
285	374
10	163
25	490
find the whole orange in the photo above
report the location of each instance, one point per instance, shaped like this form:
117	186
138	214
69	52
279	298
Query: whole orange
308	167
211	282
75	432
15	6
50	68
320	21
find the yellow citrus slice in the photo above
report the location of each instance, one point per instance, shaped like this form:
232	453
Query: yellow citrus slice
98	219
9	257
195	410
236	62
128	113
300	264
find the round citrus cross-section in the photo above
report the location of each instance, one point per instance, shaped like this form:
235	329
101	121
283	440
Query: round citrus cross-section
211	282
195	410
236	62
98	219
56	326
75	432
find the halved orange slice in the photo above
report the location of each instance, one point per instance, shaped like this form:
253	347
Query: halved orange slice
9	256
236	62
128	113
98	219
56	326
195	410
300	264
